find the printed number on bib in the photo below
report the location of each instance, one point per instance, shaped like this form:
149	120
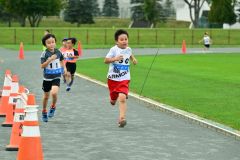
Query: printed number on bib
51	65
126	61
54	67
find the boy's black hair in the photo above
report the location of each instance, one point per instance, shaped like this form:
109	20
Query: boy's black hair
47	37
119	32
64	39
73	40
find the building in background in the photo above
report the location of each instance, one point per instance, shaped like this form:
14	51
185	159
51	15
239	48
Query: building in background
183	12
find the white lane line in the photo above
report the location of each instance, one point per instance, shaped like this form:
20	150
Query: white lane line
177	112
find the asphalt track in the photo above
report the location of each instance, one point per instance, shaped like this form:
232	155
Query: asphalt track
85	125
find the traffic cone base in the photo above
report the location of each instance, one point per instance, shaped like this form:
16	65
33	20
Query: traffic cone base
9	116
31	150
7	124
2	115
30	147
11	148
17	123
15	137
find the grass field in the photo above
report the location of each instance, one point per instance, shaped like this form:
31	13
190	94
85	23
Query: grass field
54	21
204	84
104	36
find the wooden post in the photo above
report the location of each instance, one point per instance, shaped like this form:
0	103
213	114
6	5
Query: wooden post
33	36
87	37
105	36
138	36
192	36
15	36
69	32
156	36
229	37
174	37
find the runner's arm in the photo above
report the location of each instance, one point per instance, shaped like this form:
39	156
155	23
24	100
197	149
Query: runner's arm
49	60
64	66
76	55
133	59
113	59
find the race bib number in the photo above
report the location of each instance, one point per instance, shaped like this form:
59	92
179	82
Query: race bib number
54	67
68	54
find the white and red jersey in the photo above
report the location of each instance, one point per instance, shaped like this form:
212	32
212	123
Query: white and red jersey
69	53
119	70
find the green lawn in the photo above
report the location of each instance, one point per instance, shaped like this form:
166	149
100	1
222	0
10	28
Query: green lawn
204	84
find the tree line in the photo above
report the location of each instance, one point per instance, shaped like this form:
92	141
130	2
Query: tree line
84	11
221	11
80	11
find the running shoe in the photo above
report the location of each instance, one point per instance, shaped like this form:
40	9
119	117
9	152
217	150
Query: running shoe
44	117
68	88
122	123
51	112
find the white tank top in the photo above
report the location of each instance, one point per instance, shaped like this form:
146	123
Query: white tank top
206	40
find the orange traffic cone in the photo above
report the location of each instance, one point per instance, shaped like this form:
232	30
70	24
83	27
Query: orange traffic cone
184	48
11	103
7	78
30	147
79	48
7	82
17	123
4	100
21	51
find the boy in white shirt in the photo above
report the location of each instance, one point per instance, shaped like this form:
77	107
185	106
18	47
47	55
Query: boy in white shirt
118	76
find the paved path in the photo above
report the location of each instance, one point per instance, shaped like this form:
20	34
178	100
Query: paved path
93	53
85	126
